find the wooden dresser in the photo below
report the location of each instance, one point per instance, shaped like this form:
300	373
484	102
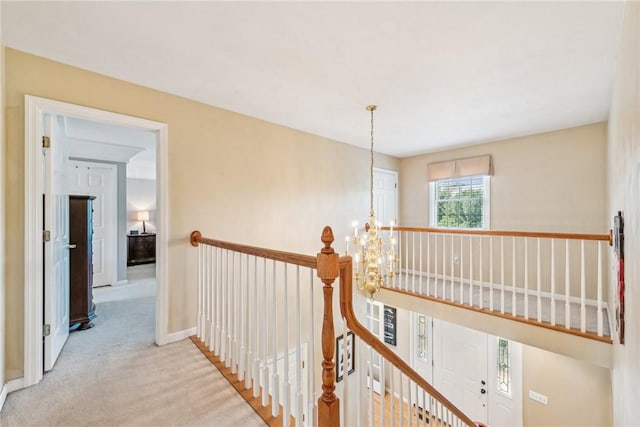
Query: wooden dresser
141	249
81	306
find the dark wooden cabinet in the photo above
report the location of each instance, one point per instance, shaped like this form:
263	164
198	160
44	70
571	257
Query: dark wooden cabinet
81	306
141	249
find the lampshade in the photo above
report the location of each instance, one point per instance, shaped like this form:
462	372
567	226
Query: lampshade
143	215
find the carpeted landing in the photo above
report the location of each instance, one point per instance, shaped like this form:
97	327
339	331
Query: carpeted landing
114	375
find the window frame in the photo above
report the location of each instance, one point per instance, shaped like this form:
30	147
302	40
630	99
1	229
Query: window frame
486	201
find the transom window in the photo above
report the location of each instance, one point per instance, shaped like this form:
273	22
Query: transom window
460	202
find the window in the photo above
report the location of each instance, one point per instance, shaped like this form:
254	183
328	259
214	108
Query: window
421	350
460	202
504	366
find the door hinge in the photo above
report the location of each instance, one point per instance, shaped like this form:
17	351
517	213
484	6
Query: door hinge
46	142
46	235
46	330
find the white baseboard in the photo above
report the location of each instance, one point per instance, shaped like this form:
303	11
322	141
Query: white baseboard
180	335
3	396
8	387
121	282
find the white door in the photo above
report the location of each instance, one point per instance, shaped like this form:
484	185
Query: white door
99	180
385	195
460	367
56	251
375	326
505	382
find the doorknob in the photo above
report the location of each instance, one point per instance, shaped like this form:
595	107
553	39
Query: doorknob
483	391
71	246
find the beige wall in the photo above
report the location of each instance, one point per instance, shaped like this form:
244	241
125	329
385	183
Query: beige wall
230	176
579	393
624	195
547	182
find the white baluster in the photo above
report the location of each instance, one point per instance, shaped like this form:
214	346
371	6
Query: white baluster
514	309
435	266
502	274
345	374
399	273
298	399
211	298
246	351
382	390
406	261
401	403
392	393
413	262
461	272
567	285
481	290
225	306
491	273
242	300
286	386
444	266
212	326
264	370
256	338
600	322
539	284
553	283
312	364
451	275
370	384
219	304
200	286
526	277
421	277
429	263
471	271
275	379
583	285
235	349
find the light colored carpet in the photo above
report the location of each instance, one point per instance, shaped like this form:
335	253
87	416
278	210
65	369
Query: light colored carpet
114	375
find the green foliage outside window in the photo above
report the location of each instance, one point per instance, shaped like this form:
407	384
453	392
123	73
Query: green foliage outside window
460	202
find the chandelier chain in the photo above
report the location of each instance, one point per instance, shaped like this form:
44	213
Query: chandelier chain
371	108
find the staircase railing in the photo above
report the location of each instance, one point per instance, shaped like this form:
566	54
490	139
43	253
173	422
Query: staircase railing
256	321
553	280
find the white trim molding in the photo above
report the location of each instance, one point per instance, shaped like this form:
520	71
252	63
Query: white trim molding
180	335
35	108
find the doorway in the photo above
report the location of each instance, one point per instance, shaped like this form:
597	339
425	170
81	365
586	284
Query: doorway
35	181
479	373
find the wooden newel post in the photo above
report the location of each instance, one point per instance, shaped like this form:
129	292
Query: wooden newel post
328	403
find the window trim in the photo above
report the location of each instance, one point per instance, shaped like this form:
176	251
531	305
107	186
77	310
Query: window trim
486	205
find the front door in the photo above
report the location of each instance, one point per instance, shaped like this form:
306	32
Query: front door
56	250
460	367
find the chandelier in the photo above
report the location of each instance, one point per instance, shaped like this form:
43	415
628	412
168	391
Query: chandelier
375	257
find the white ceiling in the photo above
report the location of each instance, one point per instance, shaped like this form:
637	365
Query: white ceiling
88	139
443	74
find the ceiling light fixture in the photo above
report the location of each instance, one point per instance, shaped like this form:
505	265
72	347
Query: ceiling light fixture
375	257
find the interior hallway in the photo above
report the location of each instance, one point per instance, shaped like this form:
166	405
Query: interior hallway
114	374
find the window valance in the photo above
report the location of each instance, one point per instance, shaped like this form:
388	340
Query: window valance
471	166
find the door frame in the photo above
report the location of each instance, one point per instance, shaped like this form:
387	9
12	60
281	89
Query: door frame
35	107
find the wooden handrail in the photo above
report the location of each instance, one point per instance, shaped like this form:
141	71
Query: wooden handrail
346	308
544	235
288	257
